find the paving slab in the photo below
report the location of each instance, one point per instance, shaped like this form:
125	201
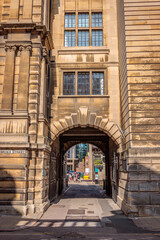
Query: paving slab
82	212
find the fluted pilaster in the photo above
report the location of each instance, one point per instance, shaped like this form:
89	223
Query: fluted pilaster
22	99
7	96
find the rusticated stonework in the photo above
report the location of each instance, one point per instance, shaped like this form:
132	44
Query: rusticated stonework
38	122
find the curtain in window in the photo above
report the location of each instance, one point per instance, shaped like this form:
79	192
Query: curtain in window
98	83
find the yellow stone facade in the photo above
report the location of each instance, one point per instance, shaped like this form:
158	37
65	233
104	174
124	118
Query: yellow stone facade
38	123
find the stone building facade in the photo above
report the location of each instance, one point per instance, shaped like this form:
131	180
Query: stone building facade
74	71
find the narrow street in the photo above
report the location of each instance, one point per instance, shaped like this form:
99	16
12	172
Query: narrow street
83	212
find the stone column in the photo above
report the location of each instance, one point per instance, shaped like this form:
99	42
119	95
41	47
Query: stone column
7	96
27	10
14	11
45	13
42	107
22	99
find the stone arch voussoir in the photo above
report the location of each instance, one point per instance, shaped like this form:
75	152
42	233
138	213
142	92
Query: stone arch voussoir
85	118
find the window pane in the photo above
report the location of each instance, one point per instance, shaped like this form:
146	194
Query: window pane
69	39
83	20
98	83
97	20
69	83
70	20
97	38
83	84
83	38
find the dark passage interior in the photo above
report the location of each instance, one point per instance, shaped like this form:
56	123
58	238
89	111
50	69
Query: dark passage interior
83	135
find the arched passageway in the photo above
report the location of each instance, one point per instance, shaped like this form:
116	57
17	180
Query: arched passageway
79	135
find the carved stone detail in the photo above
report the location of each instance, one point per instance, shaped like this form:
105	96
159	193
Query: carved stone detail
13	126
25	48
85	118
45	54
9	48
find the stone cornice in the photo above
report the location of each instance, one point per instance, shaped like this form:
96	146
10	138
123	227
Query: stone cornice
32	28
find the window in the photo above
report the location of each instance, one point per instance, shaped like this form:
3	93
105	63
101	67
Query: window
98	83
70	20
83	38
83	20
97	20
69	38
97	38
85	32
83	83
69	83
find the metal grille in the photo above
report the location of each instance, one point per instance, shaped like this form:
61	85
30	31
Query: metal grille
83	84
98	83
69	83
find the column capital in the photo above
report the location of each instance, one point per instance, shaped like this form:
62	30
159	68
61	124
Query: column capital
25	48
10	48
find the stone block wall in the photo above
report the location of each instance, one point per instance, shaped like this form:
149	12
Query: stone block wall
139	79
24	145
24	11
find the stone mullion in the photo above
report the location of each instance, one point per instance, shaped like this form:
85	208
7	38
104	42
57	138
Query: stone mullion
7	96
14	10
27	10
22	99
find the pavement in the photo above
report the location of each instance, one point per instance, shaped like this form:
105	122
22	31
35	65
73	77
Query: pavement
10	223
82	211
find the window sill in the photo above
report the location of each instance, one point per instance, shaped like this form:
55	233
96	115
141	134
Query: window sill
80	50
83	96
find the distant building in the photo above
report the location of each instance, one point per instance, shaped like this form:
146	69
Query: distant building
81	151
71	160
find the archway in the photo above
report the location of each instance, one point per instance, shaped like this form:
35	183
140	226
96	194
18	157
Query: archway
76	135
84	118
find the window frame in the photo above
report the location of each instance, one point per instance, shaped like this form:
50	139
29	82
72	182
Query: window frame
102	70
90	28
74	81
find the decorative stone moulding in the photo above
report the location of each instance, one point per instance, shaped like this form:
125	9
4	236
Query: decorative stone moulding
84	118
10	48
17	47
25	48
13	126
